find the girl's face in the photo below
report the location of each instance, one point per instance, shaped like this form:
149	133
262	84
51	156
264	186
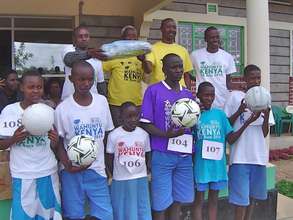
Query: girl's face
32	88
130	118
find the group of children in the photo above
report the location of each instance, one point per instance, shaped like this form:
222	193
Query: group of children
175	174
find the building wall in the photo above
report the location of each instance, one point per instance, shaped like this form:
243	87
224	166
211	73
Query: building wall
280	65
105	29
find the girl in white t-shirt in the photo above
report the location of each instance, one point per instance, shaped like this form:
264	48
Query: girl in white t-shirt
33	165
127	146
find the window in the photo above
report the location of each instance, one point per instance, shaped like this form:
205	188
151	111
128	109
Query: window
191	36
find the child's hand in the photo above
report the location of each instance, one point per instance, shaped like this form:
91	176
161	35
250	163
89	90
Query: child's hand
19	135
253	117
201	106
266	114
175	132
53	136
242	107
75	169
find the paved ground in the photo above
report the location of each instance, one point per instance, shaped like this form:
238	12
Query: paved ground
284	171
284	141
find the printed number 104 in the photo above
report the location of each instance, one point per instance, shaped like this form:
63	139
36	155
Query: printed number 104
179	142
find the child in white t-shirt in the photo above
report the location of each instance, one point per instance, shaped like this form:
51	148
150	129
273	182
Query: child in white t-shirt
84	113
33	166
128	145
250	153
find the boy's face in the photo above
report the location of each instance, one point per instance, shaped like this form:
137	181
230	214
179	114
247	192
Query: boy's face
82	79
173	69
32	88
12	82
252	78
207	96
55	89
130	118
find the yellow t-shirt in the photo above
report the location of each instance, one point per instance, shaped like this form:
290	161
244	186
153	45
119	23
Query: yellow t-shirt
159	50
125	80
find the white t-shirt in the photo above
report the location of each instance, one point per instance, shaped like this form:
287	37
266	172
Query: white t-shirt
32	158
68	88
213	67
129	153
251	146
72	119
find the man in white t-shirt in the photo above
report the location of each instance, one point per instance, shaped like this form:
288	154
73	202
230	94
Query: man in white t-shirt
214	65
249	155
80	51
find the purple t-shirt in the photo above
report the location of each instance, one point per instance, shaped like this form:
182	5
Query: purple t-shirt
156	109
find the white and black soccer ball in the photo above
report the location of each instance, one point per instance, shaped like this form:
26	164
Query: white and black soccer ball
257	98
185	112
82	150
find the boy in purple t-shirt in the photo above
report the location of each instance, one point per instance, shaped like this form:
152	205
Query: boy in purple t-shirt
172	177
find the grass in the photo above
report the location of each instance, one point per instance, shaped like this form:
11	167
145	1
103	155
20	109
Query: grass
285	187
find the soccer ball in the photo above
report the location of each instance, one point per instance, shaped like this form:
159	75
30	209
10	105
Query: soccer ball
257	98
38	119
185	112
82	150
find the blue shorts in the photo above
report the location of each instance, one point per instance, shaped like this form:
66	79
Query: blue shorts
131	199
87	184
202	187
247	181
36	198
172	180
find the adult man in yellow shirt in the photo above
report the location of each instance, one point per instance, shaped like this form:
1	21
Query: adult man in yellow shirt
167	45
126	75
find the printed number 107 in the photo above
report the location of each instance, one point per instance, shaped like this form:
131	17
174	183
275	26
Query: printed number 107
213	149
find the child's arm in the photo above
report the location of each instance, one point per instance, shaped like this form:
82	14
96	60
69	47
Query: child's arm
108	158
240	110
18	136
153	130
109	163
233	136
148	161
53	136
265	125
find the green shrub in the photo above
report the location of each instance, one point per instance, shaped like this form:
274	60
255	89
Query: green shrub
285	187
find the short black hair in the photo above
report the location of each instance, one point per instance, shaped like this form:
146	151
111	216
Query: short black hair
7	72
125	105
249	68
31	73
77	29
81	64
168	56
204	85
210	28
165	21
